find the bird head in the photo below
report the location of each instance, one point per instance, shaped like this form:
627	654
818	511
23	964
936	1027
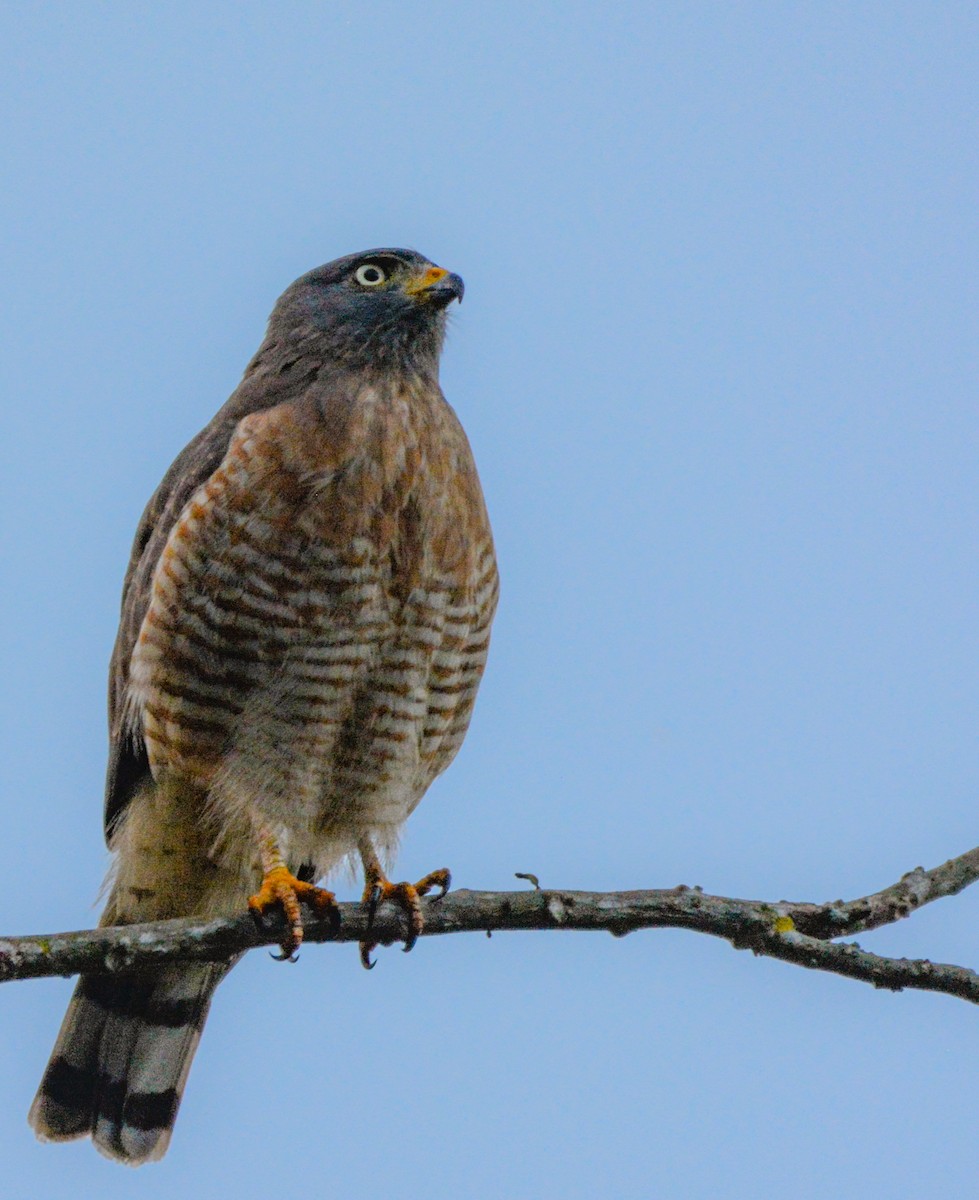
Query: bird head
382	308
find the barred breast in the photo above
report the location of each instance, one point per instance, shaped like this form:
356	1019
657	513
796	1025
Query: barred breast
319	620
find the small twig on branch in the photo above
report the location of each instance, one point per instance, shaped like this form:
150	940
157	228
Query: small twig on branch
793	932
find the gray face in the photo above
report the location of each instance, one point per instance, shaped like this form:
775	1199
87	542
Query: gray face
382	308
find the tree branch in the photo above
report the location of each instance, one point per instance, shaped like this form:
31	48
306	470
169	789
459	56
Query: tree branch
793	932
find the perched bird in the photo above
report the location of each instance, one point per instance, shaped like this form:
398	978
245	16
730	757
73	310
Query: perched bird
305	621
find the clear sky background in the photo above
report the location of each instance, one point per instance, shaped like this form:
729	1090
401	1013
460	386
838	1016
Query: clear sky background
718	364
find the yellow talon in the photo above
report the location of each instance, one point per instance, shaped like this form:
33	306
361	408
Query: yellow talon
280	886
407	895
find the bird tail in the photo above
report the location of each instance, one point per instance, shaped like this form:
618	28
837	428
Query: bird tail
121	1060
122	1057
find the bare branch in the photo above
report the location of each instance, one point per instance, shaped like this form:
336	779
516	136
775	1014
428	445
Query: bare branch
793	932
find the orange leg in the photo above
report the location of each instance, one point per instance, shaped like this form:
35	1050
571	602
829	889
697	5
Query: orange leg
280	886
378	887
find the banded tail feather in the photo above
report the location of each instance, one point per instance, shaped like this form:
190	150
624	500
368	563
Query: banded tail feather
121	1060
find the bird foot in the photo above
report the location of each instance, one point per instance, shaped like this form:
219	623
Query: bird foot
281	887
408	896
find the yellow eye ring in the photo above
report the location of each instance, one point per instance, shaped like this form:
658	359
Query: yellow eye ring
369	275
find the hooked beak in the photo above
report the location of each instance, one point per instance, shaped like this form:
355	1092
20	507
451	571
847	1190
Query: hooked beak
437	286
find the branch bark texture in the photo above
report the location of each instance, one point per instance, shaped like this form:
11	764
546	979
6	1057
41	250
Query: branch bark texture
799	933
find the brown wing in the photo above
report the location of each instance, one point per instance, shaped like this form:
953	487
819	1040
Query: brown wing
128	766
262	387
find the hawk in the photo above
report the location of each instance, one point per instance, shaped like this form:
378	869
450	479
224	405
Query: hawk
305	622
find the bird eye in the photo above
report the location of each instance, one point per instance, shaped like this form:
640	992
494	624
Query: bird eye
369	275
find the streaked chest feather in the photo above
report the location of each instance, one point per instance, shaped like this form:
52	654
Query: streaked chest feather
320	619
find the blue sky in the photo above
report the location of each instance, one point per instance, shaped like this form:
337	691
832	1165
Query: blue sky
717	361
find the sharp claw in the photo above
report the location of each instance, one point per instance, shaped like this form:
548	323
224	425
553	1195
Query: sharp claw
437	881
365	957
407	896
283	890
372	903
